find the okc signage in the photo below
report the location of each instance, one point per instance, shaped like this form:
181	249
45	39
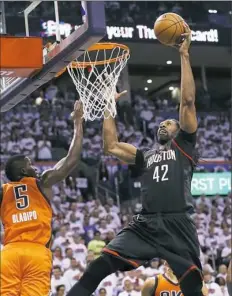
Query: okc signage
139	32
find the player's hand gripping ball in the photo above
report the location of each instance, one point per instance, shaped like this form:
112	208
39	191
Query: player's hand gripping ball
169	28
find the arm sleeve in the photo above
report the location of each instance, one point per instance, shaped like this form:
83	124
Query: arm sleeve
137	169
139	159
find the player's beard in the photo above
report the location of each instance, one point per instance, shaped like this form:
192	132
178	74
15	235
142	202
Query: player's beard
163	139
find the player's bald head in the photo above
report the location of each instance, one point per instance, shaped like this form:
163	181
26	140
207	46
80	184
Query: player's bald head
14	166
19	166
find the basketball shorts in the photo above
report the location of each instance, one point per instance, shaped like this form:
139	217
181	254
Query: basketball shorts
171	237
25	270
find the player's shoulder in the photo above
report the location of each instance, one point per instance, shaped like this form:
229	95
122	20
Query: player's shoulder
184	137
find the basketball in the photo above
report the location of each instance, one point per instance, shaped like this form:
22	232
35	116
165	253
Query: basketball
168	28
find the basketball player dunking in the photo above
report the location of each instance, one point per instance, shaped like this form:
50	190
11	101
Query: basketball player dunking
164	228
165	285
26	214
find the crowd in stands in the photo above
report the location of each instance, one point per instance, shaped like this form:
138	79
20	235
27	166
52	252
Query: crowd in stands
43	123
131	12
83	227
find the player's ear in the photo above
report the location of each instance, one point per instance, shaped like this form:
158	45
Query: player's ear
23	171
176	132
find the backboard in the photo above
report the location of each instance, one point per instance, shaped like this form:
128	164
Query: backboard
91	31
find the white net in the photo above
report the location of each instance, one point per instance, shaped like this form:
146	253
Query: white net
95	75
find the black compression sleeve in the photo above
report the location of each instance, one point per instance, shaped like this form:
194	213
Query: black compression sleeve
139	159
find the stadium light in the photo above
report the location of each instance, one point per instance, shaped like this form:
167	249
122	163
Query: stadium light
169	62
146	88
212	11
149	81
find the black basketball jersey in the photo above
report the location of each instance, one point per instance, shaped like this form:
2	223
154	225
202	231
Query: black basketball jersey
166	176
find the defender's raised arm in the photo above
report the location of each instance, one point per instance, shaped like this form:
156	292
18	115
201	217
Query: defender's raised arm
66	165
188	119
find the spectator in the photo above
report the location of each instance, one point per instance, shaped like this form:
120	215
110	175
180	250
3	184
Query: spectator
79	248
57	257
222	283
14	145
60	290
96	244
61	239
28	145
222	271
102	292
44	149
177	8
127	288
73	274
89	229
57	279
68	257
113	208
226	252
213	288
103	229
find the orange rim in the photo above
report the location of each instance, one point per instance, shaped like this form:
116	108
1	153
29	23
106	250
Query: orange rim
102	46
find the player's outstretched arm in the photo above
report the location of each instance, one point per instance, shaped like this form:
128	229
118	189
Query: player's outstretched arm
123	151
148	288
188	119
66	165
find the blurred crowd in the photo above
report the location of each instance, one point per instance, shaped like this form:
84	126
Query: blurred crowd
41	128
132	12
42	124
82	227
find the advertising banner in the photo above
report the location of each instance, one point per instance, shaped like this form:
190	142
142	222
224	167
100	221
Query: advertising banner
211	183
136	33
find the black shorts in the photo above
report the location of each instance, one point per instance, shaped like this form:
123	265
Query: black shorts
171	237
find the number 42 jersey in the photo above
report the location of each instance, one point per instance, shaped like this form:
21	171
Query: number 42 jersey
166	176
26	213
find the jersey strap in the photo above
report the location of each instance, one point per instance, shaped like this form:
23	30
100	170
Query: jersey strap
183	152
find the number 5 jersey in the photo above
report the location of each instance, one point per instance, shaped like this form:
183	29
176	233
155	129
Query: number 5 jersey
26	213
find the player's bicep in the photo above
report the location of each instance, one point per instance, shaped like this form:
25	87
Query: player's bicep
188	118
149	288
123	151
58	173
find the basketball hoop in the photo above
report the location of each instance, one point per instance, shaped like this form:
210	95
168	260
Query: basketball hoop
95	75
